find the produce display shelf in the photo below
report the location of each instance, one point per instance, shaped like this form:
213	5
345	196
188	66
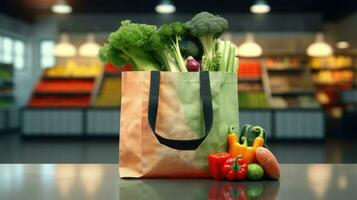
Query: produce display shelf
63	93
319	84
287	70
10	118
68	77
249	80
279	123
332	68
6	83
293	92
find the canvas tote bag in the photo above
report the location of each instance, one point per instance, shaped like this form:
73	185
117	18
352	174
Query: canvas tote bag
171	121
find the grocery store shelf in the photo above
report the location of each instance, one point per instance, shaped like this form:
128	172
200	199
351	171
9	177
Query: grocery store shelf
332	68
6	94
6	82
319	84
286	70
68	77
112	73
293	93
246	79
62	92
89	122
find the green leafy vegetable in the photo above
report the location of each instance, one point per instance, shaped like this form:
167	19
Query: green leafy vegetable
130	44
165	43
190	46
208	28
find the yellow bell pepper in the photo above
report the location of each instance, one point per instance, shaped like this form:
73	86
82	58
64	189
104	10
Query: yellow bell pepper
243	150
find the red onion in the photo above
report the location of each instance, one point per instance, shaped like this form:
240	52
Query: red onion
193	65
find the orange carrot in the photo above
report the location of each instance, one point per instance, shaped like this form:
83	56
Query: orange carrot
268	161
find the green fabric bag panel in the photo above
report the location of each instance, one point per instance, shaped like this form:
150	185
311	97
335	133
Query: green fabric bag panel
225	109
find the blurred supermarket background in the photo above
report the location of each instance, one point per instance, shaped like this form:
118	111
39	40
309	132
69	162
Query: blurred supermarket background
297	75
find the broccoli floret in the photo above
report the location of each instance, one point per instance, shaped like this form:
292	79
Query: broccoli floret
130	44
190	46
208	28
165	43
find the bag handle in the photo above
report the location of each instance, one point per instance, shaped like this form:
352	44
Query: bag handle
206	97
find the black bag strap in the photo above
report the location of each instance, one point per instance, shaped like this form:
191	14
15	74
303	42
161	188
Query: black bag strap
206	97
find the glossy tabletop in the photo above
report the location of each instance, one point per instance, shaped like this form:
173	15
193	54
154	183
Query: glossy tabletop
101	181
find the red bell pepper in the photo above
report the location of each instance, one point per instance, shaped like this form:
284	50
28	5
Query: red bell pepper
216	162
235	169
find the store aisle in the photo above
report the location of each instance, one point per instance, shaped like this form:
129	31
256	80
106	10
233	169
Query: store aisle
14	149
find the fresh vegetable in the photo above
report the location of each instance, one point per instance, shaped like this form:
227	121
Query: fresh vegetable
267	160
208	28
255	172
130	44
235	169
258	141
236	149
216	162
190	46
147	48
165	44
192	64
250	133
228	52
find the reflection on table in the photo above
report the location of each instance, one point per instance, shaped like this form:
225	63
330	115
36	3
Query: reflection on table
101	181
197	189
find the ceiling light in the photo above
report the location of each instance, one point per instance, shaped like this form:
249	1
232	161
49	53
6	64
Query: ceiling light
319	48
61	7
249	48
64	48
165	7
260	7
90	48
342	44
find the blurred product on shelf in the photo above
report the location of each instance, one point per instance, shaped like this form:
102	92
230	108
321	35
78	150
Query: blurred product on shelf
249	69
110	68
59	101
6	102
250	87
294	102
5	74
329	77
282	62
7	97
252	100
110	93
329	96
73	69
331	62
65	86
287	83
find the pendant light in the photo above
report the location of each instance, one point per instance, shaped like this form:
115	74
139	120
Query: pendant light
165	7
249	48
64	48
260	7
319	48
342	44
90	48
61	7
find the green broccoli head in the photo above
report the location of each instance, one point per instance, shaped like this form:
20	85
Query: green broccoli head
132	35
205	23
171	32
